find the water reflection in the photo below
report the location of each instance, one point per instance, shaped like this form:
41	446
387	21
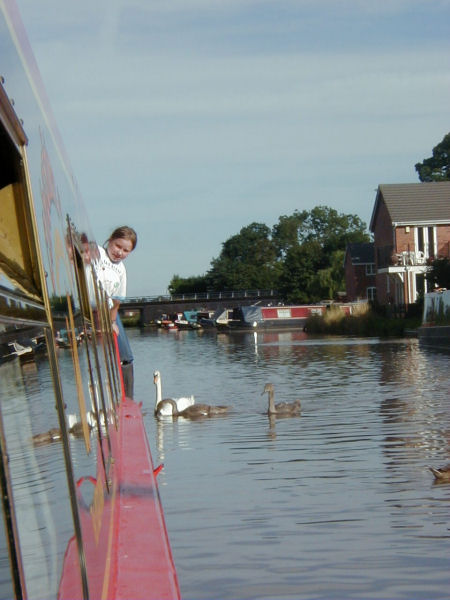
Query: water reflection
336	503
20	410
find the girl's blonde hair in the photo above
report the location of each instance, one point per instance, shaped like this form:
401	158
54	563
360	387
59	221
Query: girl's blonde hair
124	232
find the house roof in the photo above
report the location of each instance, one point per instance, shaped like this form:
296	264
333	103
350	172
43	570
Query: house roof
361	253
414	203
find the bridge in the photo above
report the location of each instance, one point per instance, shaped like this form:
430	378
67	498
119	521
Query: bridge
150	308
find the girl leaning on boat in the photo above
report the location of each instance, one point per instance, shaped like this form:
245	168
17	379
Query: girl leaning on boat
113	276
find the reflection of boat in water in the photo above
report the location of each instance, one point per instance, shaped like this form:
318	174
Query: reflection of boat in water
281	337
23	352
63	338
435	328
88	524
6	353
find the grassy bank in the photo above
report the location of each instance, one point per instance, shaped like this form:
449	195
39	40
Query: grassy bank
365	322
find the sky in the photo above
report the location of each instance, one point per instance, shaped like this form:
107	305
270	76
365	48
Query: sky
190	119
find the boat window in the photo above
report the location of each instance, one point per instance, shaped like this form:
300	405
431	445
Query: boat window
18	264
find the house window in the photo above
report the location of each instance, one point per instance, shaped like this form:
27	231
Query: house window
371	293
420	285
426	241
370	269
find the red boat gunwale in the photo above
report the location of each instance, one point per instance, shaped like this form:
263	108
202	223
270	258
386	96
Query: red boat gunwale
127	526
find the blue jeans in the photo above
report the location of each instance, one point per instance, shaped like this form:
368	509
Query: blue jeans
126	356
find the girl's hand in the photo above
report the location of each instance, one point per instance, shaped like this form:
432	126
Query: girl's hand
115	328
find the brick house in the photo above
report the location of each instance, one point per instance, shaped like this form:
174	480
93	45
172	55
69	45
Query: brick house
411	225
359	265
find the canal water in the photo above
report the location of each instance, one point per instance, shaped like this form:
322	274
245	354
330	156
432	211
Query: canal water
336	503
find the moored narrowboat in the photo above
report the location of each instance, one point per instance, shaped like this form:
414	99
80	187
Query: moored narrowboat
435	328
255	318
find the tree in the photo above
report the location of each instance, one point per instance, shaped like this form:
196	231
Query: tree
302	256
247	261
186	285
437	167
300	266
285	234
332	229
311	247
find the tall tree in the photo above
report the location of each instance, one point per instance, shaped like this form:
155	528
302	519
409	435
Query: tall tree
437	167
286	233
300	266
247	260
323	224
186	285
311	247
302	256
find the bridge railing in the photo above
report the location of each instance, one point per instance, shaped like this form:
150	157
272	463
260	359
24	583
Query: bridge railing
202	296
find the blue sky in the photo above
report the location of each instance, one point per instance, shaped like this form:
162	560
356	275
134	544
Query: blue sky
190	119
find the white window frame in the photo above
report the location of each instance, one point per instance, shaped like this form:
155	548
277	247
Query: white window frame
425	237
371	292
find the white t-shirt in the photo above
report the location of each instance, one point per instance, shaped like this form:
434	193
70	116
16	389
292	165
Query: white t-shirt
112	275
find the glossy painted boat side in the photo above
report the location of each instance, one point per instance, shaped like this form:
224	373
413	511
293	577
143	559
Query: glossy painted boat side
137	561
116	544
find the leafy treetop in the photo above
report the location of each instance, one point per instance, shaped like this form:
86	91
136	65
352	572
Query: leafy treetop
302	256
437	167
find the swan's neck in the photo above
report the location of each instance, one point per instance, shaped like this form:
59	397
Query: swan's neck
271	401
158	392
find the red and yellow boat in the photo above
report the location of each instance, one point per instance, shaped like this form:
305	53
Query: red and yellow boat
82	515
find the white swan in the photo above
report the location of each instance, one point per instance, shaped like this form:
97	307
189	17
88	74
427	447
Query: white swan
169	406
284	409
75	425
73	420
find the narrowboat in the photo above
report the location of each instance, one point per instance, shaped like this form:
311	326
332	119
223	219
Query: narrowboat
435	328
82	515
186	320
205	318
256	318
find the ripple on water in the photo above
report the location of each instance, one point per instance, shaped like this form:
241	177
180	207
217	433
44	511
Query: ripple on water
337	503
